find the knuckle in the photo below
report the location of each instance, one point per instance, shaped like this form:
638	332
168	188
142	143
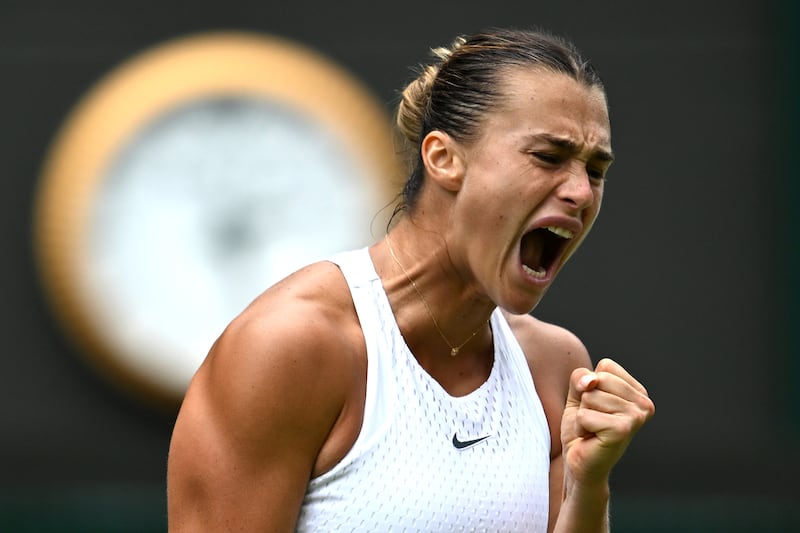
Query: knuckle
627	425
646	405
604	364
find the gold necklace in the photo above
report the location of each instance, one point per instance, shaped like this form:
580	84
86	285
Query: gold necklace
453	349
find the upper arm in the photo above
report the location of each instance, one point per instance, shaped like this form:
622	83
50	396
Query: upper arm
553	353
252	423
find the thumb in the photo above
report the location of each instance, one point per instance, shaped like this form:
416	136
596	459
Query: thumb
581	380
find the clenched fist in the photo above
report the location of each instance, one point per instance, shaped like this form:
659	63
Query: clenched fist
604	410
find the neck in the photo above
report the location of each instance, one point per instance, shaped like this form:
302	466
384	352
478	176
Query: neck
436	311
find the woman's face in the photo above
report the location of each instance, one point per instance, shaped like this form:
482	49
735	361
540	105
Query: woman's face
532	186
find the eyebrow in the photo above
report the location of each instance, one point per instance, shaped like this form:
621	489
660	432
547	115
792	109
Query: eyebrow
605	156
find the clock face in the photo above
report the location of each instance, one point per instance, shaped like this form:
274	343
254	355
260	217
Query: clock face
189	180
205	208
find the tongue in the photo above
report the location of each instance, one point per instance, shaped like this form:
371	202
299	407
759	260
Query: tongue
531	249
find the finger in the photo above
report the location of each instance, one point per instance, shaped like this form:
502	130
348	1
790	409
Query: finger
610	428
604	402
616	380
617	386
580	381
622	401
613	413
612	367
592	403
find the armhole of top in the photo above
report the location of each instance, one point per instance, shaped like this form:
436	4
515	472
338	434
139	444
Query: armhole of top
359	273
515	358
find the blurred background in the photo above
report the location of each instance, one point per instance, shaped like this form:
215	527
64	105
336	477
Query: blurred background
689	277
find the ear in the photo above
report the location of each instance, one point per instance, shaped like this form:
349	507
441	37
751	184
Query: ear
443	160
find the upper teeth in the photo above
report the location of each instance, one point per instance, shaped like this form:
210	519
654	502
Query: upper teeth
561	232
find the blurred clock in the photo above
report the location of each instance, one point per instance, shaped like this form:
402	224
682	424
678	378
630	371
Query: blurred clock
190	179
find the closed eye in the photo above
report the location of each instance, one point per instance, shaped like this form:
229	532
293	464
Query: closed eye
596	167
596	173
549	158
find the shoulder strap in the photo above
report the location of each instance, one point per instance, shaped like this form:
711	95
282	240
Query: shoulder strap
356	266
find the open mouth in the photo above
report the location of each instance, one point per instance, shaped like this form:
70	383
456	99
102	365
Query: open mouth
541	248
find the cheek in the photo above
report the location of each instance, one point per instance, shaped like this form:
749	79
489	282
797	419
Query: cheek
590	214
598	199
484	213
499	221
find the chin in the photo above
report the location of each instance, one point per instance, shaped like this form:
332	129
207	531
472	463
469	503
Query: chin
522	306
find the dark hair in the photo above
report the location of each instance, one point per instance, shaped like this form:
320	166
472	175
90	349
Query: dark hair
455	92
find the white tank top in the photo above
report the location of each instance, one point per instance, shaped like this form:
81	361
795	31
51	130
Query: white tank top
424	460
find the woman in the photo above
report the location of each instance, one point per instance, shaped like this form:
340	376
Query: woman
405	387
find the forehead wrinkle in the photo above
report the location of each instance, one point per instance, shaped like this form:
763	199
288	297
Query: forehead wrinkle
564	143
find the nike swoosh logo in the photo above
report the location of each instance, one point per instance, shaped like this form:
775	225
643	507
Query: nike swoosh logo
461	444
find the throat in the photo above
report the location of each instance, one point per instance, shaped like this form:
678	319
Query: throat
540	250
532	251
460	375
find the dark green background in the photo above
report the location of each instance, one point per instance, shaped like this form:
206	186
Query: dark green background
689	278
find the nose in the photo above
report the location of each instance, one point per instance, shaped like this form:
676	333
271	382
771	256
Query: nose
576	189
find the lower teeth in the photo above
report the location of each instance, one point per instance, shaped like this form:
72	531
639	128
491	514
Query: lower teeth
538	273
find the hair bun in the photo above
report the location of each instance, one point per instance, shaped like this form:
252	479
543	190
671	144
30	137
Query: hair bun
415	97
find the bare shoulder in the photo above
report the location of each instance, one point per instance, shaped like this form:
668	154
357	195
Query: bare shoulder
263	404
548	347
295	333
552	352
310	312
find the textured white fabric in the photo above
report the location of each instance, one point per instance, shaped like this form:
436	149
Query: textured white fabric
404	473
